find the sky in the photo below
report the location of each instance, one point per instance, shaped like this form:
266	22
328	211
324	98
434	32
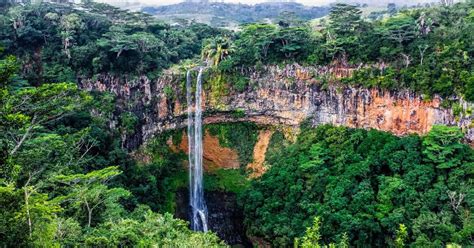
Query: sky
306	2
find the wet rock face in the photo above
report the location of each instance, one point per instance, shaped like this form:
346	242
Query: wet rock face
225	217
279	96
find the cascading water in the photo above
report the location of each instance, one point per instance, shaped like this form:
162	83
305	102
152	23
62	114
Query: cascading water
196	191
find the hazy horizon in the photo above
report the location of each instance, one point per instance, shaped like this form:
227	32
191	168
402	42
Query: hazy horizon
306	2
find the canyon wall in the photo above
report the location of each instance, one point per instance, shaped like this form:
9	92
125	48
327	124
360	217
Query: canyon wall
278	96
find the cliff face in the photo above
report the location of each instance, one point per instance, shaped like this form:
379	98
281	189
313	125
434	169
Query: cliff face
214	154
278	96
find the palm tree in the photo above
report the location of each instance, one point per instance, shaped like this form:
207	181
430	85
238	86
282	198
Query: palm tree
216	49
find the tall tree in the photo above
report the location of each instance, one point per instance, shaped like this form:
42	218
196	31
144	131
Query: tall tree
90	191
343	30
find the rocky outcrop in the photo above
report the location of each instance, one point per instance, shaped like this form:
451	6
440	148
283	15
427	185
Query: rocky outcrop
279	96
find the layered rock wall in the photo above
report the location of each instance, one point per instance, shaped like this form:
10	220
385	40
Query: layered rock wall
279	96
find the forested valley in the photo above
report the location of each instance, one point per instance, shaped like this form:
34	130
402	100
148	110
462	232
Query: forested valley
95	130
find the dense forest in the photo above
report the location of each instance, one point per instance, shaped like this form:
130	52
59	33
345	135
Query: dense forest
66	178
367	187
60	43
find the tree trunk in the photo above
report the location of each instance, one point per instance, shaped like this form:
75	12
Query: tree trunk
422	53
27	206
28	130
118	53
407	59
89	214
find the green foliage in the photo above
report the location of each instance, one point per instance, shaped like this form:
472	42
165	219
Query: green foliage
401	236
364	183
220	14
239	113
344	30
216	49
25	113
156	182
427	50
169	93
276	146
312	238
150	229
88	191
258	43
56	186
171	184
128	122
312	235
223	180
442	147
8	68
16	215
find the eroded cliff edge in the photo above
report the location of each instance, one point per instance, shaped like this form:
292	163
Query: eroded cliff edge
278	96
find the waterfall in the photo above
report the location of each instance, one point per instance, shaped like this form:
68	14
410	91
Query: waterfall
196	191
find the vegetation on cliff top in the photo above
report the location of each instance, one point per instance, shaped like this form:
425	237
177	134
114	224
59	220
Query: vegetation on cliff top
428	50
57	42
231	15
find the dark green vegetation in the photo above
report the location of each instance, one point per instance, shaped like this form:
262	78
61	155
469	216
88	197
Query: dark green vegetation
57	185
229	14
366	184
226	181
428	50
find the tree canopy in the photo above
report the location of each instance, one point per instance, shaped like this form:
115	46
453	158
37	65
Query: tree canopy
365	184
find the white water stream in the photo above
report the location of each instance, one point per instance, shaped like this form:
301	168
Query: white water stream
196	191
